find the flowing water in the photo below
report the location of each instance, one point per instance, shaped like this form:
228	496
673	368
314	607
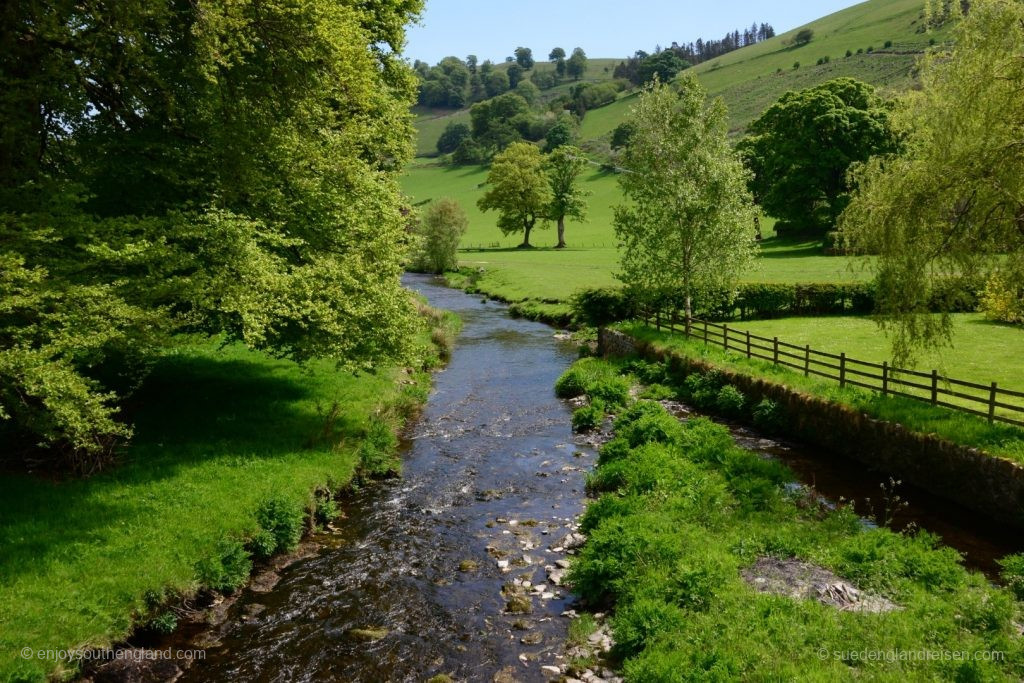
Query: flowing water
492	476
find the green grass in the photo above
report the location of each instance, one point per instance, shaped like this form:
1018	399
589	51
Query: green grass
218	431
683	511
996	439
982	351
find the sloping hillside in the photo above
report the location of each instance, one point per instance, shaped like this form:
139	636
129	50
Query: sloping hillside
752	78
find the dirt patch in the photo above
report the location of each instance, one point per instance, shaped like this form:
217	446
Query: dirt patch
804	581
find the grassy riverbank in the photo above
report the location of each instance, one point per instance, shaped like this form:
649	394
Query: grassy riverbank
218	432
1000	440
686	523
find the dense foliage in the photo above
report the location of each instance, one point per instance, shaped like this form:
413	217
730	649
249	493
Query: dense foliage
438	233
801	148
220	166
518	189
951	205
687	226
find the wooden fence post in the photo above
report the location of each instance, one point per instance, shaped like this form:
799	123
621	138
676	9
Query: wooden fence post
775	353
992	403
807	360
935	387
885	378
705	333
657	320
748	344
725	337
842	370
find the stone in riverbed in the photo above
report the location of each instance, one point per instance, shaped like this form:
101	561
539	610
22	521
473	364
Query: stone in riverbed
468	566
532	638
519	604
367	635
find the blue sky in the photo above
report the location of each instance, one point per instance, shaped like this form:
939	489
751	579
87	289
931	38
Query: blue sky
604	28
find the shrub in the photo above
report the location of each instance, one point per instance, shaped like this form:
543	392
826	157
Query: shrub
1003	301
454	134
616	449
730	401
1013	573
283	521
888	44
602	306
641	622
325	510
613	391
227	569
796	65
263	545
437	236
768	416
377	450
163	624
588	418
849	53
648	422
571	384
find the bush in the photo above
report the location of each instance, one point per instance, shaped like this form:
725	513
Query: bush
730	401
652	425
571	384
888	44
768	416
613	391
377	450
1003	301
454	135
1013	573
283	521
469	152
641	622
849	53
588	418
603	306
437	236
228	569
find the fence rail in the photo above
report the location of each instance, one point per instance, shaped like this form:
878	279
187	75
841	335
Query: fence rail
988	400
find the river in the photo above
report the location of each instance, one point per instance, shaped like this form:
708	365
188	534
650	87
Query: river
492	483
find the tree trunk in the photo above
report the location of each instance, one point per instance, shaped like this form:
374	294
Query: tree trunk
526	237
689	314
561	233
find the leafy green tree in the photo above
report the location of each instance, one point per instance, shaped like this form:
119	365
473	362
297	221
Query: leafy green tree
515	75
562	133
528	91
803	36
453	136
494	121
518	190
133	206
524	57
576	66
665	65
801	148
622	134
556	54
685	229
568	200
496	83
438	234
950	207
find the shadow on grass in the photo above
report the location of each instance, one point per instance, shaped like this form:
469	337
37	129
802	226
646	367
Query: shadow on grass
790	247
191	410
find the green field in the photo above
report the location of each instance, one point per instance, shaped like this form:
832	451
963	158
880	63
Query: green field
547	274
217	432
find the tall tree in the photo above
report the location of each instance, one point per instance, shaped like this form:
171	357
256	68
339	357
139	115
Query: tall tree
133	206
951	205
576	66
556	54
685	229
568	200
801	148
518	190
524	57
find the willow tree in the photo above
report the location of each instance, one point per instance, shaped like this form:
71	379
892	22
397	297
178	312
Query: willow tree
218	166
949	209
686	227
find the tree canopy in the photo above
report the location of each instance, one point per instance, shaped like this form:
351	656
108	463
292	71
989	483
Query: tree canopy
686	228
219	166
518	189
801	148
576	65
950	206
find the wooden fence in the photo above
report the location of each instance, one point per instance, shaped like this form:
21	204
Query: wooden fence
985	400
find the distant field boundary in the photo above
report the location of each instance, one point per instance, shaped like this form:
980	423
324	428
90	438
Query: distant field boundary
989	401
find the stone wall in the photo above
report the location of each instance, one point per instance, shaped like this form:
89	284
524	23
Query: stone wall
991	485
